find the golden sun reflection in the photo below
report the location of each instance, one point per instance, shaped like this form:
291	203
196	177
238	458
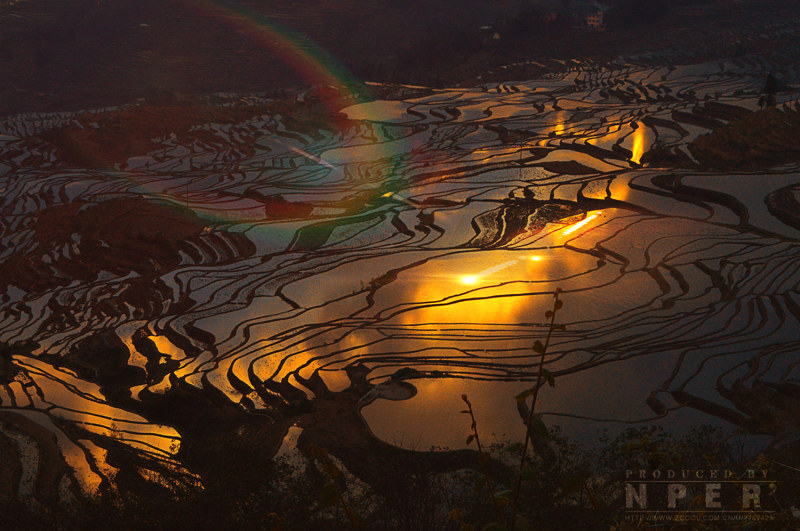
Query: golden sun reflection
641	141
588	219
494	289
437	304
560	120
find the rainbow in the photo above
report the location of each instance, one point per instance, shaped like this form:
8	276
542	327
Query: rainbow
314	65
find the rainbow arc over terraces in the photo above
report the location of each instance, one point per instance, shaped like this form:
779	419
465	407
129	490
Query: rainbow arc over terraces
312	63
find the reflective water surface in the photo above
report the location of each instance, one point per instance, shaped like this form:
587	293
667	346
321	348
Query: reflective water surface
429	235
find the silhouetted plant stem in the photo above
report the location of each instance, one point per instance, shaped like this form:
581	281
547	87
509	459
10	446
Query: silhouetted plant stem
482	458
542	350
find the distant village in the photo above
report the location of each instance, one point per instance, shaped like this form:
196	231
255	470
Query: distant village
583	14
575	14
590	15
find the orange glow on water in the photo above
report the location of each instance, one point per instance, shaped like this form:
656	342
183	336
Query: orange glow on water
582	223
475	287
639	141
560	120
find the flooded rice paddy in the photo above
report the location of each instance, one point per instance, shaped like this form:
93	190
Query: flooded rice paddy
427	237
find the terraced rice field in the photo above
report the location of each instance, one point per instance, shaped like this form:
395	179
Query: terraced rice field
268	267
